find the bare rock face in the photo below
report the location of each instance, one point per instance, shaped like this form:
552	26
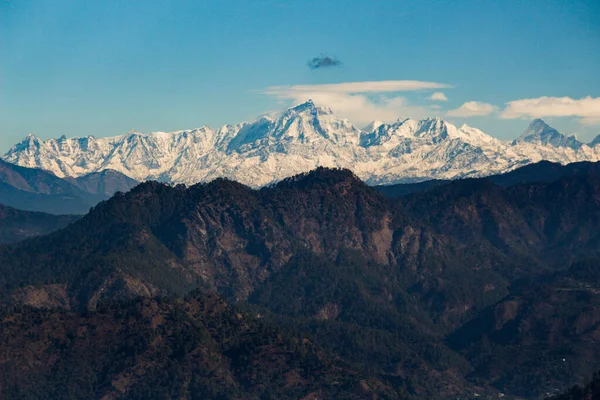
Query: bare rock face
505	312
46	296
329	311
117	287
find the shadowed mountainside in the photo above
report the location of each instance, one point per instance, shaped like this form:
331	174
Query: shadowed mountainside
17	225
197	348
411	291
37	190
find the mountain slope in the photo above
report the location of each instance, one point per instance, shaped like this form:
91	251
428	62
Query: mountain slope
540	337
384	285
226	236
17	225
104	183
229	237
542	134
553	218
37	190
223	236
196	348
298	140
540	172
36	181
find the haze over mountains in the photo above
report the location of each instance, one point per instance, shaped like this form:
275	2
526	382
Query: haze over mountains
33	189
298	140
17	225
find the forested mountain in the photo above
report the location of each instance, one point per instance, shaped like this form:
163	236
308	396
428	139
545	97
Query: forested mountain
473	286
541	336
589	391
17	225
198	348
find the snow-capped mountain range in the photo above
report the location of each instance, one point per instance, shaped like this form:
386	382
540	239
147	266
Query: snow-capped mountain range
300	139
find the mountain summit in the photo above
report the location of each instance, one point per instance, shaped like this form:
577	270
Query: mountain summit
540	133
299	139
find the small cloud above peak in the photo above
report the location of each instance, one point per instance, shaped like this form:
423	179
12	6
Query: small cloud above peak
438	96
323	61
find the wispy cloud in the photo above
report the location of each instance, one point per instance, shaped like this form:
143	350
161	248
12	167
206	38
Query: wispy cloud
361	102
438	96
359	87
323	61
472	109
586	108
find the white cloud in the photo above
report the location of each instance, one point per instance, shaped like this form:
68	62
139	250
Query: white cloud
438	96
359	87
360	102
472	109
587	108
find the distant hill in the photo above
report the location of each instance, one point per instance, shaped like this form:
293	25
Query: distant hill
36	190
540	172
17	225
104	183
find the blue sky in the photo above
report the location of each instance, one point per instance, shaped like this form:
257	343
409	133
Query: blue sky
104	67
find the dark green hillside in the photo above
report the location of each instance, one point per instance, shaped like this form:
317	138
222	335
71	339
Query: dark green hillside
468	287
195	348
17	225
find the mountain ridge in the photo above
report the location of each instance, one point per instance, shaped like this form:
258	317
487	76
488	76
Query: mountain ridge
17	225
33	189
386	285
301	138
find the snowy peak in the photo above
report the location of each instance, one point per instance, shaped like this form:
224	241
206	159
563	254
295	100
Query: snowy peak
595	142
373	126
308	107
308	123
303	124
428	132
299	139
434	129
30	141
476	135
540	133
